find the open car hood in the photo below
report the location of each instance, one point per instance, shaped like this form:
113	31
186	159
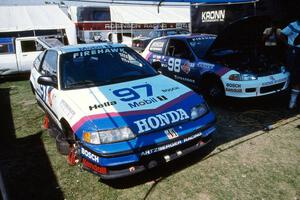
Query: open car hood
241	34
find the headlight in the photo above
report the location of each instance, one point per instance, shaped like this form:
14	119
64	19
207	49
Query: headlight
108	136
242	77
282	69
199	111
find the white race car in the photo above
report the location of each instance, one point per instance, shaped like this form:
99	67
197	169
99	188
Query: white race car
233	64
113	112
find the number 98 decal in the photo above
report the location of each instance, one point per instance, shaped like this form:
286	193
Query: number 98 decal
174	64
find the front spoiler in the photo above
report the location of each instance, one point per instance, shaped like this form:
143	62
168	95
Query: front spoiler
152	161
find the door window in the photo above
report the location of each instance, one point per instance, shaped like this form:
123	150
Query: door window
37	61
31	46
179	49
49	66
157	46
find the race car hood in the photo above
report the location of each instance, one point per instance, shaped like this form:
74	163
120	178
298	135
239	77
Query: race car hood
141	38
144	105
242	34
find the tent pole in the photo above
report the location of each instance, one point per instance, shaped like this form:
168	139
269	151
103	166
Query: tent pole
131	32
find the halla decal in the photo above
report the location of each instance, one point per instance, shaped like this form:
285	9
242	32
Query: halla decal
105	104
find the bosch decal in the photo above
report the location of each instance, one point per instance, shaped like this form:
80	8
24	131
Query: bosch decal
233	85
90	155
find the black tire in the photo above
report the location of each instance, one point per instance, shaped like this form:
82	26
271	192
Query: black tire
62	144
156	65
213	89
53	132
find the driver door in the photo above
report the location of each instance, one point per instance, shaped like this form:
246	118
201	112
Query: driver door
27	51
179	62
47	67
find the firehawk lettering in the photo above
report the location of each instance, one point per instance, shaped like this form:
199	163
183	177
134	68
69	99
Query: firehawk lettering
96	52
161	120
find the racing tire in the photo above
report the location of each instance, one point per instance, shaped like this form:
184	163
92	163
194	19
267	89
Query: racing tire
62	144
52	129
213	90
53	132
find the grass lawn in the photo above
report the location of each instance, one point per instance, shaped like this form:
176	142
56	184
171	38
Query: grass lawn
243	162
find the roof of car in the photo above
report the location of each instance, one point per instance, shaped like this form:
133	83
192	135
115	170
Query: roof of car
84	47
203	36
170	29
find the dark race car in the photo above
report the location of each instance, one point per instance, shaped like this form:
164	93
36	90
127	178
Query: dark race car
234	64
140	43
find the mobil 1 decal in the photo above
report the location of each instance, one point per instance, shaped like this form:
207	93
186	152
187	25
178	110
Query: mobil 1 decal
134	96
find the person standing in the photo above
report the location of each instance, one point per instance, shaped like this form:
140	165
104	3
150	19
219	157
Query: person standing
292	36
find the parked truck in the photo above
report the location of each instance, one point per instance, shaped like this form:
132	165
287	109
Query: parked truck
18	54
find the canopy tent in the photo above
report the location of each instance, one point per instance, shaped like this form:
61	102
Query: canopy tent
26	18
196	1
148	14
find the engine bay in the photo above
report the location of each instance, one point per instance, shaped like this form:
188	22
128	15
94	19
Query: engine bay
255	61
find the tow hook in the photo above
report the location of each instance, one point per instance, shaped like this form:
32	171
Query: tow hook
46	122
73	156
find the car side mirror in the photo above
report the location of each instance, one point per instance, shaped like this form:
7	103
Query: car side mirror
156	65
47	80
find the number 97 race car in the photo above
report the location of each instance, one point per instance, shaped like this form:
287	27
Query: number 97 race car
234	63
113	112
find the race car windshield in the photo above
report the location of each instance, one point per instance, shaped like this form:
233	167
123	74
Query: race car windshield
102	66
201	45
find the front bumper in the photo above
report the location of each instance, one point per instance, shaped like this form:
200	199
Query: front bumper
146	158
262	86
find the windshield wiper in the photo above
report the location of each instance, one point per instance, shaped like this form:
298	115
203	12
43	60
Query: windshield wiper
87	83
132	77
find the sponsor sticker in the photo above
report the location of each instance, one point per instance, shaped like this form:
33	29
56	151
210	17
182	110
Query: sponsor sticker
90	155
171	133
233	85
184	79
186	67
98	169
207	66
161	120
102	105
170	145
69	112
170	89
147	101
238	90
273	81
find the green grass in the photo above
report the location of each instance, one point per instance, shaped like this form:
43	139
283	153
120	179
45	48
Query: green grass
243	162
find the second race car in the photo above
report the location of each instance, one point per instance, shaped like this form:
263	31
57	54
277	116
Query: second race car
233	63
